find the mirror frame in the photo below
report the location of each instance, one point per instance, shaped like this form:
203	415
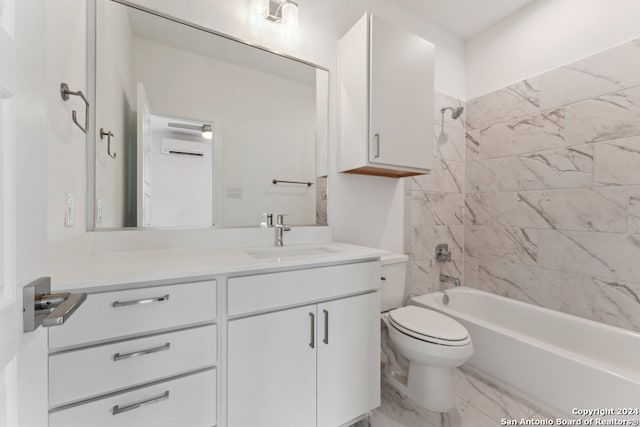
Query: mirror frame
91	138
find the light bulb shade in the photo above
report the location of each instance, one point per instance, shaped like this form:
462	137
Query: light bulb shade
261	8
207	132
290	14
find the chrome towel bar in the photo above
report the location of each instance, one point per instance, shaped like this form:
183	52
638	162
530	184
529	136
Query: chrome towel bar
276	181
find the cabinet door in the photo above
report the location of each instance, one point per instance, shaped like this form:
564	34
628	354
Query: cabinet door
272	369
348	358
401	103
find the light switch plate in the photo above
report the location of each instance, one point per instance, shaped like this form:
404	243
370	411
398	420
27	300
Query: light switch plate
234	192
69	209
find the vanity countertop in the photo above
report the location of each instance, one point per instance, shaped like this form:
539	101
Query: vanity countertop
124	270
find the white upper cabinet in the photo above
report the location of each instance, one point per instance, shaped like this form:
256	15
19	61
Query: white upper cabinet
386	100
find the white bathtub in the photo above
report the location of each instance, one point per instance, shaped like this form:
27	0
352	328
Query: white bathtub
554	360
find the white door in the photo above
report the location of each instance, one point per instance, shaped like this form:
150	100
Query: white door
272	369
144	158
23	229
401	79
348	358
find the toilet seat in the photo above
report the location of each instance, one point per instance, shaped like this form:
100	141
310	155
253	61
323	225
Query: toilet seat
430	326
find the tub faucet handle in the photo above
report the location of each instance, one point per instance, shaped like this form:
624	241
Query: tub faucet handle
442	253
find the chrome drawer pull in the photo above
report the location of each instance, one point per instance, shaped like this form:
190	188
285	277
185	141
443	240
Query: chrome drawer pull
326	327
119	356
312	324
118	410
140	301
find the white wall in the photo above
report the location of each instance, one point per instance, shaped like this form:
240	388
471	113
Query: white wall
66	143
543	36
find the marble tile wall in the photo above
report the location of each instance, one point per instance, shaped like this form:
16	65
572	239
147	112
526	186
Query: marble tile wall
552	202
435	204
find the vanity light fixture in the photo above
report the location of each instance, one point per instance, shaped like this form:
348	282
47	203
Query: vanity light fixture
206	129
284	11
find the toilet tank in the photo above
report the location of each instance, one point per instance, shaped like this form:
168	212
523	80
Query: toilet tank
393	269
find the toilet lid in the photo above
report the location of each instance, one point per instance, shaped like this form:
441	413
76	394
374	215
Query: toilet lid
428	323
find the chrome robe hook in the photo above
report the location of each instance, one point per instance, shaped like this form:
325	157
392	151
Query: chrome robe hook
109	135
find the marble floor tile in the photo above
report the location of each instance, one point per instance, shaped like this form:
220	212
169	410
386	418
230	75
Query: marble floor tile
617	162
487	398
514	101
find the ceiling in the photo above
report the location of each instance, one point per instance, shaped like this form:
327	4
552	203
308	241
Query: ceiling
465	18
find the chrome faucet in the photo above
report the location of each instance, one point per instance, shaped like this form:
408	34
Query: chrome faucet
449	279
280	229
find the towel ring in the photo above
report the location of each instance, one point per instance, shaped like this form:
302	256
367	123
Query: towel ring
65	92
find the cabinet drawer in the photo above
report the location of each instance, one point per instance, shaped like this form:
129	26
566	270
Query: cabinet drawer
114	314
82	374
187	401
268	291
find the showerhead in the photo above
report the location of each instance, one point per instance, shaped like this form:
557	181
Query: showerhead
455	112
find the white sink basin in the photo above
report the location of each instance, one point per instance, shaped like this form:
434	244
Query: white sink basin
289	252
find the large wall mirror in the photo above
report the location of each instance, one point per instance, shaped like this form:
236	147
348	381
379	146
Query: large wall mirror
193	129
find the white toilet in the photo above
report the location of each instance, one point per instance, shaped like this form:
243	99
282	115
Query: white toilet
433	343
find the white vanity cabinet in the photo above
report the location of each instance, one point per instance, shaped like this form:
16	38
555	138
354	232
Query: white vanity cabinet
386	100
144	356
310	365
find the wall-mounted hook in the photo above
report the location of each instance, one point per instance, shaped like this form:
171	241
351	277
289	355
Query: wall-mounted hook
109	135
65	92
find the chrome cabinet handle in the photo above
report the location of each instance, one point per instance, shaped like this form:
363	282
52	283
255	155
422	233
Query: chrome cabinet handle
326	327
312	343
120	409
119	356
377	137
140	301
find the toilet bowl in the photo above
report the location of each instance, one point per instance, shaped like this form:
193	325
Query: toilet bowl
432	342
